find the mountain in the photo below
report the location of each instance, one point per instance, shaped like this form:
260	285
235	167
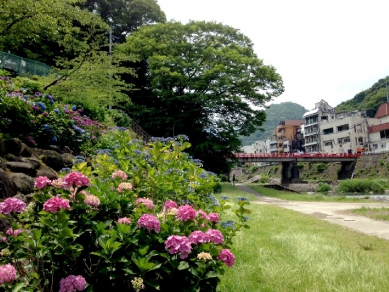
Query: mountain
369	99
274	114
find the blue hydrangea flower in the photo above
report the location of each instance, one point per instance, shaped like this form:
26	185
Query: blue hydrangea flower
65	169
74	108
54	139
228	224
46	127
41	105
56	111
242	199
224	197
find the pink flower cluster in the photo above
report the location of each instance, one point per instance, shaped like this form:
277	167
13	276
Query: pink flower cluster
12	205
226	257
169	204
75	179
14	233
202	214
124	186
41	182
72	283
7	273
198	236
186	213
215	236
145	202
178	244
149	222
53	204
124	220
213	217
119	173
92	200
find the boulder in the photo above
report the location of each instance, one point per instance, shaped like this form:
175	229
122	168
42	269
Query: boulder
2	164
23	167
66	149
35	163
7	186
25	151
68	159
48	173
2	147
55	148
13	146
12	157
53	159
24	183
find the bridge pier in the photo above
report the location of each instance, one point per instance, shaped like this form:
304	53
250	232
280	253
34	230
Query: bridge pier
290	172
346	169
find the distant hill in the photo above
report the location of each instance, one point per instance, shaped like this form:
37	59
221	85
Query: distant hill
274	114
369	99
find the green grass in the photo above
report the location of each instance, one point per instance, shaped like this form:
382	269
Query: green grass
317	197
381	214
288	251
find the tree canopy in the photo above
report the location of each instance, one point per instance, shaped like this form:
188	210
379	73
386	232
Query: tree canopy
201	79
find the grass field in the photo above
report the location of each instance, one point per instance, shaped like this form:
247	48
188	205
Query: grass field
317	197
288	251
381	214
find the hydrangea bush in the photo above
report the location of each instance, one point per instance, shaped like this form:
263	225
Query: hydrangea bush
140	217
46	121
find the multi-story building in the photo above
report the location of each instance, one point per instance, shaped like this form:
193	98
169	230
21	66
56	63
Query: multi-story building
285	136
322	113
379	130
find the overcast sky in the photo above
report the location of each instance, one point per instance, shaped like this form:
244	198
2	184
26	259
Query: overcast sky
327	49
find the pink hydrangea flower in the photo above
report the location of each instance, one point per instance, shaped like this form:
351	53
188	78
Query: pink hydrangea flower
41	182
12	205
198	236
75	179
145	202
149	222
53	204
178	244
170	204
213	217
58	183
186	213
72	283
119	173
124	220
92	200
124	186
7	273
202	214
215	236
226	257
14	233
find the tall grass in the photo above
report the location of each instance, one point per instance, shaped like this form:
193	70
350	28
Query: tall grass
361	186
287	251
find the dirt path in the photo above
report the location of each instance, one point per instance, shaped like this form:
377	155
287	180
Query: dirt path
333	212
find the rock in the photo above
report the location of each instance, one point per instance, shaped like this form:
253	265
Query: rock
53	159
23	167
47	172
13	146
68	159
55	148
2	164
12	157
66	149
4	224
24	183
2	147
25	151
7	186
35	163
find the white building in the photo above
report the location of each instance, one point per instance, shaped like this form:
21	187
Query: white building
379	130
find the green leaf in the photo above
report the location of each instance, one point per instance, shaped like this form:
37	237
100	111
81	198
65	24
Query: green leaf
17	287
183	265
211	274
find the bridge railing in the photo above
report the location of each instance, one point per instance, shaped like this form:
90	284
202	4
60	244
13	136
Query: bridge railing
298	155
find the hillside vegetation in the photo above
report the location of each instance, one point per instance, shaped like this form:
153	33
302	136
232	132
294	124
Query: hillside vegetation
369	99
274	114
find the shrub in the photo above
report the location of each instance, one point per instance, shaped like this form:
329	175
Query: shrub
323	187
320	167
141	216
361	186
264	179
254	168
300	165
275	168
223	177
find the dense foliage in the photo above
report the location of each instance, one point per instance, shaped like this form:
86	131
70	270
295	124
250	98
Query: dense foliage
361	186
275	113
203	80
142	216
369	99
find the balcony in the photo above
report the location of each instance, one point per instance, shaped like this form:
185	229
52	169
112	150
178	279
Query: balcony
311	133
310	143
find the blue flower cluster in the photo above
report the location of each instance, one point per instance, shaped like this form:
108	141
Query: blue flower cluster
56	111
41	105
242	199
224	197
182	137
203	175
228	224
54	139
121	129
50	98
104	151
65	169
162	139
78	129
46	127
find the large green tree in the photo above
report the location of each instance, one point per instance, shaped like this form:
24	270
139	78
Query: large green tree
201	79
50	30
125	16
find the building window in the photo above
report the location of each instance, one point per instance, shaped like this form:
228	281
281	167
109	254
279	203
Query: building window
375	146
343	128
383	145
384	134
327	143
328	131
